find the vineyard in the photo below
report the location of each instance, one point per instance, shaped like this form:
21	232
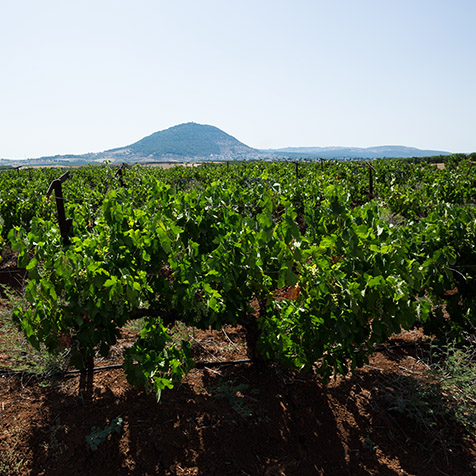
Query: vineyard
315	265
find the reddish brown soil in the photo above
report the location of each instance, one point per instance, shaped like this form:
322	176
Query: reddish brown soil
278	423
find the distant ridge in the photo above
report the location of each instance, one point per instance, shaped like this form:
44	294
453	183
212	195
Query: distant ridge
196	142
385	151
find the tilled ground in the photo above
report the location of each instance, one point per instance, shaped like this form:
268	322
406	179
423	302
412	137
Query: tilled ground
228	420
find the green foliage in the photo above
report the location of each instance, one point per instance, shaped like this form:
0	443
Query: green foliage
98	435
161	361
199	245
235	396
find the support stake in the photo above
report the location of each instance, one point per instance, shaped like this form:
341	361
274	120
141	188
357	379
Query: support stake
119	173
471	165
371	181
297	170
64	223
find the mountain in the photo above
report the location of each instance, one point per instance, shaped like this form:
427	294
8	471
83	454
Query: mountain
386	151
194	142
183	142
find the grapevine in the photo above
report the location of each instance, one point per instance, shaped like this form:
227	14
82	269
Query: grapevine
200	245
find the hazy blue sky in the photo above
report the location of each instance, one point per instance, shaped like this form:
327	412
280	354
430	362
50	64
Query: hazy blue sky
90	75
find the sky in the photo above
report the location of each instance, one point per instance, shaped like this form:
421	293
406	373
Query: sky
91	75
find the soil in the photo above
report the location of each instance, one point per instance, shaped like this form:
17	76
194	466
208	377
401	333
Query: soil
243	419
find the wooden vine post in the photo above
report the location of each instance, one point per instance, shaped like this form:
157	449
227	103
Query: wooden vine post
297	171
371	181
120	173
471	165
64	223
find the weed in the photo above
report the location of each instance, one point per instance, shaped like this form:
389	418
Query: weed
98	436
445	394
13	341
10	461
55	444
369	444
135	325
22	356
52	365
181	332
457	378
234	394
